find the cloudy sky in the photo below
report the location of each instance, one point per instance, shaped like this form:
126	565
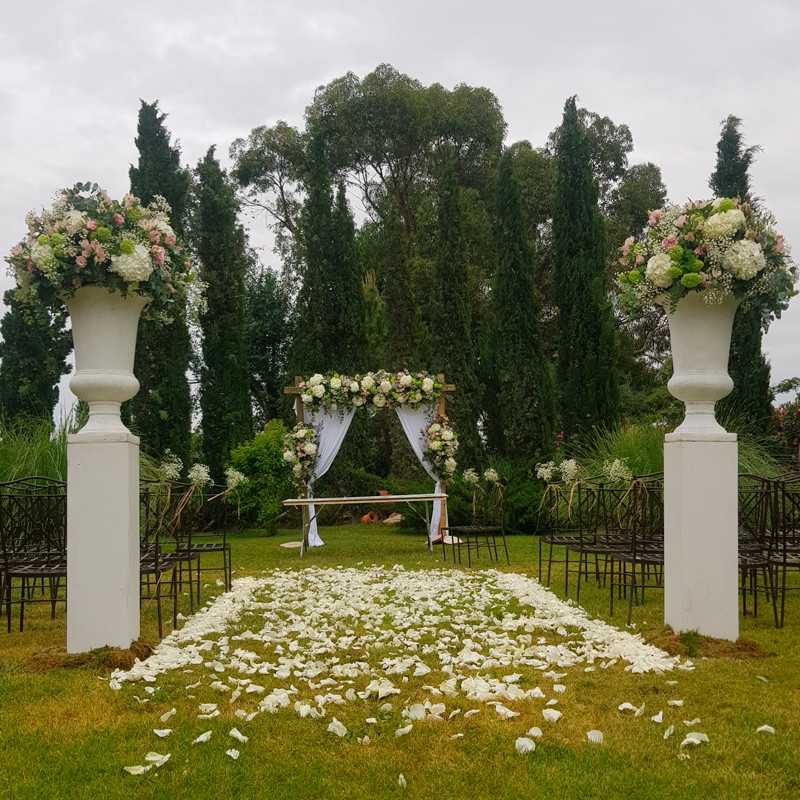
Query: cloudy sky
72	73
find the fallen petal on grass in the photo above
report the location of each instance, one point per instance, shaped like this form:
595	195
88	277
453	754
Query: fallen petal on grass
595	737
524	745
765	729
203	737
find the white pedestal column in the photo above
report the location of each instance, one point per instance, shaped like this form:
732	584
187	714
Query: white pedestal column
701	534
102	540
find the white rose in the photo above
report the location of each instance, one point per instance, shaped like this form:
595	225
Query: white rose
447	435
315	380
418	395
427	385
301	433
288	455
297	469
434	445
401	398
656	271
306	398
450	465
379	400
354	387
385	387
318	390
310	448
336	383
367	382
405	380
435	428
358	400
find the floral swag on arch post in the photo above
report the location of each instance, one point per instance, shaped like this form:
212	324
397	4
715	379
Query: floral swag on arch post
325	406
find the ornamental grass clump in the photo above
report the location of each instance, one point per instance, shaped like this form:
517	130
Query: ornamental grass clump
88	239
716	248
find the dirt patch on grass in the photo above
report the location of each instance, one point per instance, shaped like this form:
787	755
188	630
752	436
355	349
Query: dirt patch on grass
104	658
692	645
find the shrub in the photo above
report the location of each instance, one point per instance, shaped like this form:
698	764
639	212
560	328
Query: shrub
268	479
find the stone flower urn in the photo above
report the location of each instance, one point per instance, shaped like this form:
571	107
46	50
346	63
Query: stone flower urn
104	328
700	333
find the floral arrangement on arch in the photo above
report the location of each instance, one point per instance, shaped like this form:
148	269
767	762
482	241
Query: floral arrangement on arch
88	239
379	389
440	447
300	451
716	247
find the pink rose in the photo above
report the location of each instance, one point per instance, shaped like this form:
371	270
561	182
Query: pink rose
670	241
654	216
170	241
80	261
91	225
698	251
716	272
158	253
119	219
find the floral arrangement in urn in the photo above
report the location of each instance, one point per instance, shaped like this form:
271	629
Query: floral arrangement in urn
300	450
88	239
379	389
716	247
440	446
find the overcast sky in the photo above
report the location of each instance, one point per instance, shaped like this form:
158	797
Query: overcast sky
72	73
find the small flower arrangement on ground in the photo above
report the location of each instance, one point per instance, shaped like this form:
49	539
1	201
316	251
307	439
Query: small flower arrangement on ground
716	247
379	389
88	239
300	450
440	447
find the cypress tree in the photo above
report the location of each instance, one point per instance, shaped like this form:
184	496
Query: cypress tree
162	409
34	346
312	348
454	353
347	334
523	426
586	368
225	373
750	370
397	297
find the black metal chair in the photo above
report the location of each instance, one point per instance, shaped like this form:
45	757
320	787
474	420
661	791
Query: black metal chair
33	540
488	523
784	554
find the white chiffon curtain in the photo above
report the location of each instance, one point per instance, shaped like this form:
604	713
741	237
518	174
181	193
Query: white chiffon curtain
333	426
414	422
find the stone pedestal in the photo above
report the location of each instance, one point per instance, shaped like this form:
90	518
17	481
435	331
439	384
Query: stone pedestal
701	533
102	540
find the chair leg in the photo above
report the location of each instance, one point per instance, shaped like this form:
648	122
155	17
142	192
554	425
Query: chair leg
158	605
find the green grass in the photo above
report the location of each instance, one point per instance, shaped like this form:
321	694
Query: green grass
63	734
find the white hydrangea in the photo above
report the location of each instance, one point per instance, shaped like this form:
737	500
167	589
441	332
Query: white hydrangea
745	259
657	270
74	220
405	380
161	225
724	223
450	465
471	477
42	255
427	385
135	266
199	475
234	478
367	382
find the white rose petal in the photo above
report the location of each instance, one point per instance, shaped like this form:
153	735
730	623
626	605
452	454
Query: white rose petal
524	745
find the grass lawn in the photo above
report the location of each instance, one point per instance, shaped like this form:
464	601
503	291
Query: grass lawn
65	734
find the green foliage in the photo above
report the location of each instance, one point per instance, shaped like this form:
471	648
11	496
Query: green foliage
225	376
266	314
586	367
269	480
454	355
162	409
520	391
34	346
747	364
397	298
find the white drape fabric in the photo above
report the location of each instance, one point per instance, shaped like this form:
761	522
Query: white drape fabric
333	427
414	422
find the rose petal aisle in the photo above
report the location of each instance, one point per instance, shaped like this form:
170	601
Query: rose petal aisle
408	645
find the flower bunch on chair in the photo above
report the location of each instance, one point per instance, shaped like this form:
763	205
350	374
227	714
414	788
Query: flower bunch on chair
440	446
88	239
715	247
300	450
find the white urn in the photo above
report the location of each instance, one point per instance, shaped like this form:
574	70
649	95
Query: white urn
700	334
104	328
